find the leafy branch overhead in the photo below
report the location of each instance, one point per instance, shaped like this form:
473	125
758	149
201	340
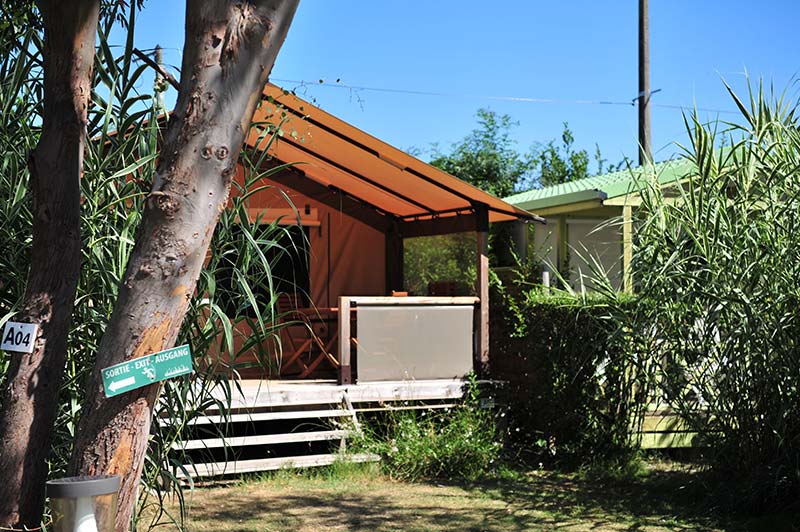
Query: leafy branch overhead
487	157
556	164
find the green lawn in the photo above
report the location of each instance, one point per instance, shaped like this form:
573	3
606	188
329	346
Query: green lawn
666	497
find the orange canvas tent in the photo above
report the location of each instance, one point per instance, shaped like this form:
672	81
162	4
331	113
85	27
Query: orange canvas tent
358	198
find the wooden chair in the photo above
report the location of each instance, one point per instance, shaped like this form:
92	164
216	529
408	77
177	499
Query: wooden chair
301	331
443	288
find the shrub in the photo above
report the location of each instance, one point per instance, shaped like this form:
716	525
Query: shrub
574	393
459	443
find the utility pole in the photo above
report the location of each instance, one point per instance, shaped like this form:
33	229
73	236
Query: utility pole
159	85
645	150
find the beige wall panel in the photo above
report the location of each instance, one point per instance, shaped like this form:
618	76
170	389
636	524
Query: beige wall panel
594	238
414	342
545	244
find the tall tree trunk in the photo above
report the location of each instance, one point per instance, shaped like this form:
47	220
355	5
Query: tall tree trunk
229	51
29	398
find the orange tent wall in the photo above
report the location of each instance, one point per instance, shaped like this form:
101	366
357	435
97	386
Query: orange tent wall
357	258
347	256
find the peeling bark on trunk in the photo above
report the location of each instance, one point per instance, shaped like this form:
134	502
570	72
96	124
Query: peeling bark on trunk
229	51
29	399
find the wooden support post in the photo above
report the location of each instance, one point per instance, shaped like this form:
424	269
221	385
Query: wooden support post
481	363
521	240
394	260
627	248
345	372
562	252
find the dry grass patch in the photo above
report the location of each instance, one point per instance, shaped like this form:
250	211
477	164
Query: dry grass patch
363	499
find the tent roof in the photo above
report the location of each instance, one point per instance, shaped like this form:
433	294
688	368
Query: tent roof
602	187
339	156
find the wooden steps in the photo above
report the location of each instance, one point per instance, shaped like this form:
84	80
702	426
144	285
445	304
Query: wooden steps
393	408
276	394
266	416
269	439
253	440
281	424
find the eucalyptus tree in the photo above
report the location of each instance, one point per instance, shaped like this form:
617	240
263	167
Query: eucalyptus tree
232	48
29	404
229	52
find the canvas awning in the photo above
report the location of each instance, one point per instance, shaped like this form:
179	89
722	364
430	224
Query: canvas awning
343	158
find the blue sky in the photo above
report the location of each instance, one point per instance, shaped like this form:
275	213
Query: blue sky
468	54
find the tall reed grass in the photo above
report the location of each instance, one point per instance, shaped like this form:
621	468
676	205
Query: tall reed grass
717	263
125	131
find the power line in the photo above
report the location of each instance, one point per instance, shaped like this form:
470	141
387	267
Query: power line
522	99
690	108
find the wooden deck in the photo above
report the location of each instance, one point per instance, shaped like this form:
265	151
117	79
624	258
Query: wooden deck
663	429
267	394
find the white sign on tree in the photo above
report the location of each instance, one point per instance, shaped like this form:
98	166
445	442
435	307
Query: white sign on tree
19	337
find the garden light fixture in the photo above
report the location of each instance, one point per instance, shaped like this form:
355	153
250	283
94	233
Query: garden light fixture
83	504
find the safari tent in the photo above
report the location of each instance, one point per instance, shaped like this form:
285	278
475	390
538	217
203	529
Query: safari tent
355	199
352	338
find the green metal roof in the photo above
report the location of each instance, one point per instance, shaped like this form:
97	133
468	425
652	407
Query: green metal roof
600	187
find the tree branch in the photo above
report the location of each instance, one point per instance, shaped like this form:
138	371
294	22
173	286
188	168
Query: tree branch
158	68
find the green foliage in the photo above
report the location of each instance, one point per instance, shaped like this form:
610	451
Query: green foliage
574	393
430	259
556	164
560	164
717	271
18	18
457	443
486	157
20	110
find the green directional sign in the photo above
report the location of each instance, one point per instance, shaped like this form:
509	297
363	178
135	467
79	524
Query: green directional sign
172	362
142	371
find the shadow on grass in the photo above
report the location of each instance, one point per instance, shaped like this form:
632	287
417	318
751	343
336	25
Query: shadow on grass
661	500
365	511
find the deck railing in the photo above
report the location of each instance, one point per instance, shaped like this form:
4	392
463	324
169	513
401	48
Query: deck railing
404	338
